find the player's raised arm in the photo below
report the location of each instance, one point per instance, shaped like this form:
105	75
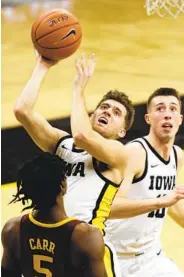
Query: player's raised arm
42	133
97	135
91	247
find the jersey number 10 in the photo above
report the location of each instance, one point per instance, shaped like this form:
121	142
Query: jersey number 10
158	213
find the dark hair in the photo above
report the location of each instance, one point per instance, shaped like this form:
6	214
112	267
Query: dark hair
40	180
164	92
125	101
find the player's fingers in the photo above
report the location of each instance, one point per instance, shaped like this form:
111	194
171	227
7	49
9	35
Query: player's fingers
180	187
180	196
91	64
83	63
78	66
92	59
180	190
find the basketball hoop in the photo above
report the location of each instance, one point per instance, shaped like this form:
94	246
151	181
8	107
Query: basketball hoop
163	7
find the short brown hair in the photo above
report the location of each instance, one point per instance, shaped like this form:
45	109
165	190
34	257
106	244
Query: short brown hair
125	101
164	92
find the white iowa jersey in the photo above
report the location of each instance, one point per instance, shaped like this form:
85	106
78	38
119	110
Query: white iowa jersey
89	194
159	178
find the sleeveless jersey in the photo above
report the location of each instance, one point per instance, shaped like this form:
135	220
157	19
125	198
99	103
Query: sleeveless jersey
134	235
89	194
45	248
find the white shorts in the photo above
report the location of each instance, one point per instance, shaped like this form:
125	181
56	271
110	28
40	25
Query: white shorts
111	261
149	264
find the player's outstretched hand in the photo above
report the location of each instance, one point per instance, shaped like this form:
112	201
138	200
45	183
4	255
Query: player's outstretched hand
85	68
173	197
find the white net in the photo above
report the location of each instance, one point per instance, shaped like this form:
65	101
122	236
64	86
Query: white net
163	7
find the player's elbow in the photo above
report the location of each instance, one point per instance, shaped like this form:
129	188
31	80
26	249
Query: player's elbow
81	139
118	208
20	113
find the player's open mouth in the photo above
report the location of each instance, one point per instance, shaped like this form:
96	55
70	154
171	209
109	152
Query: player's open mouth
167	126
103	120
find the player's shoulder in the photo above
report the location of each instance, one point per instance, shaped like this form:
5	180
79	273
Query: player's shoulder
12	224
136	148
179	151
86	230
11	229
180	155
88	238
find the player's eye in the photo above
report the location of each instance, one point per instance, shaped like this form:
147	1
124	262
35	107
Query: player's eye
103	107
173	109
160	109
117	113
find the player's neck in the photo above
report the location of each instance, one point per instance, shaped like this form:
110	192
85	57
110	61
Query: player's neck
53	215
163	148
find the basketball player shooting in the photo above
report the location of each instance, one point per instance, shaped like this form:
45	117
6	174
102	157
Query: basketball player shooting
93	173
151	183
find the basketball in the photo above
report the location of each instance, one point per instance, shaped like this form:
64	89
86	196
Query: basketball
56	34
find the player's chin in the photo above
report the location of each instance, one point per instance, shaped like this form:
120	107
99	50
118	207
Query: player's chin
167	136
99	128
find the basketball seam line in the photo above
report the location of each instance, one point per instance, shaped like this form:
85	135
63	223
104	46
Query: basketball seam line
56	30
61	46
41	22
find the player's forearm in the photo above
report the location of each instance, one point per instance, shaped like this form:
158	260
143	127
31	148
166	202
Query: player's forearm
80	122
124	208
29	95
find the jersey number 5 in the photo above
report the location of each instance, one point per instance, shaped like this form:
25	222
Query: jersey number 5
37	259
158	213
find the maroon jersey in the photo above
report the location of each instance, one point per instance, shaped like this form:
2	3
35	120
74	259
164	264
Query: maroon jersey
45	248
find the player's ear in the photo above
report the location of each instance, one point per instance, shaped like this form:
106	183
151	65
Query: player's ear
181	119
91	116
122	133
147	118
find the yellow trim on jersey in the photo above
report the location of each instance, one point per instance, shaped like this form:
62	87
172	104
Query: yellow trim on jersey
108	263
103	207
49	225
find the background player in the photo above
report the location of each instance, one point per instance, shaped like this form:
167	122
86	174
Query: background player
46	241
151	176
